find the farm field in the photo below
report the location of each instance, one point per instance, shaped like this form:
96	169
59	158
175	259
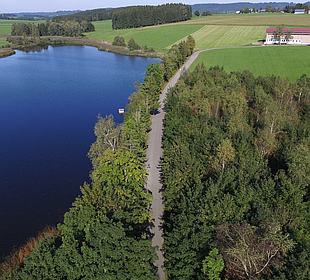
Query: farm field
157	37
284	61
254	20
5	30
214	31
216	36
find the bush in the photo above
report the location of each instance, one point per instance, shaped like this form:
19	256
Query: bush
119	41
133	46
148	49
206	13
52	28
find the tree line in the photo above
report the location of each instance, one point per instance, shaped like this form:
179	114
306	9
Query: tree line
236	177
52	28
90	15
106	233
291	8
132	45
132	17
135	16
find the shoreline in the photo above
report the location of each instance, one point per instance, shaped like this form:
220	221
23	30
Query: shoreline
30	43
6	52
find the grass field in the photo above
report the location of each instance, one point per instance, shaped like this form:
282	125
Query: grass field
254	20
214	31
5	30
284	61
217	36
157	37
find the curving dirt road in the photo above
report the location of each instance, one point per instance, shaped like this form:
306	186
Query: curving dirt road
154	155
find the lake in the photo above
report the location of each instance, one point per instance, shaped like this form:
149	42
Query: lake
49	103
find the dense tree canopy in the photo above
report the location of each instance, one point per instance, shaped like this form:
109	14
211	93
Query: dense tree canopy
137	16
52	28
89	15
236	177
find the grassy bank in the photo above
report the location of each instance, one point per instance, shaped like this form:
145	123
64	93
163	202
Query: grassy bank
6	52
5	30
285	61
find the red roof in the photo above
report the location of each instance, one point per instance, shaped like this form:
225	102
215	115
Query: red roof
296	31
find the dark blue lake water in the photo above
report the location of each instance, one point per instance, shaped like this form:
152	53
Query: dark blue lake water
49	103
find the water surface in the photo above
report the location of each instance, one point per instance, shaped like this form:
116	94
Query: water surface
49	102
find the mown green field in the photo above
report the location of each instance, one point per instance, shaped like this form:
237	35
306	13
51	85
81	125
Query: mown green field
5	30
285	61
218	36
267	19
158	37
214	31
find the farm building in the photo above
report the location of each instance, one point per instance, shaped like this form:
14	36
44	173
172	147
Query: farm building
288	36
299	11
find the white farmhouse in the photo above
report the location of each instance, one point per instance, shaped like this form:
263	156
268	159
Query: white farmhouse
299	11
290	36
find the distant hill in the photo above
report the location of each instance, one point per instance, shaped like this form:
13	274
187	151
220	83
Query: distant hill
233	7
36	15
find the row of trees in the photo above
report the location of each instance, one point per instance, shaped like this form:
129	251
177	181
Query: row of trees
292	8
134	16
137	16
177	55
52	28
236	177
105	235
90	15
131	44
204	13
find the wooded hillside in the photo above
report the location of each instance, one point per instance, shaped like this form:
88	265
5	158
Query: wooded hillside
236	177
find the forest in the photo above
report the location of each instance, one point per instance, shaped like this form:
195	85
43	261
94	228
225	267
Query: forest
134	16
236	177
89	15
106	231
52	28
138	16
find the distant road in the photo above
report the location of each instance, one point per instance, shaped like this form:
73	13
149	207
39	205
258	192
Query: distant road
154	155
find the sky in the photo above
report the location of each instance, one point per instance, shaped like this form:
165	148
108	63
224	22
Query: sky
57	5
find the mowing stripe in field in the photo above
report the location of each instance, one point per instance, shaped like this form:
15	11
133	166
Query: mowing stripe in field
284	61
217	36
220	36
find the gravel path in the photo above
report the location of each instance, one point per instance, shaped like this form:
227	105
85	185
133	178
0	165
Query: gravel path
154	155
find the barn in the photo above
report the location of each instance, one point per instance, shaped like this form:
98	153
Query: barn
287	36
